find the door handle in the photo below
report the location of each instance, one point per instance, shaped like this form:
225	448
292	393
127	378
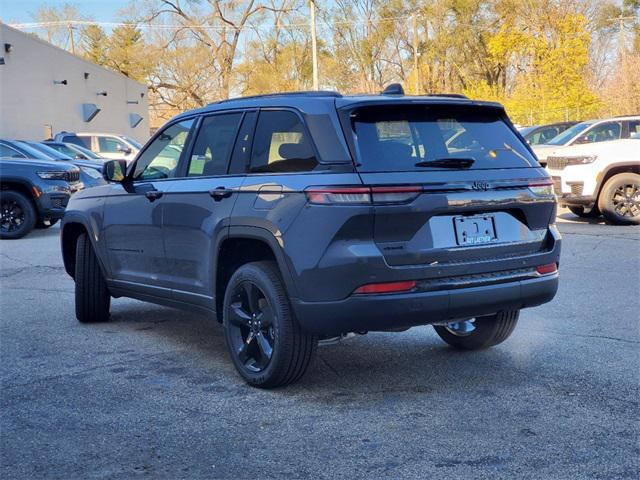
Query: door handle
153	195
220	193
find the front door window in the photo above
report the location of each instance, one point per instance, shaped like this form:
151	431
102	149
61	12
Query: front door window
160	159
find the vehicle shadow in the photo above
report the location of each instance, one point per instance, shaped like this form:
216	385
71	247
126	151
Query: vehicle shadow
570	217
364	368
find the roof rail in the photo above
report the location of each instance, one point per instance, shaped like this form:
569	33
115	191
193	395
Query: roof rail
452	95
311	93
629	115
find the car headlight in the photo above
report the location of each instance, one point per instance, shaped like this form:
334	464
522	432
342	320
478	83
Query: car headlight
53	175
93	173
581	160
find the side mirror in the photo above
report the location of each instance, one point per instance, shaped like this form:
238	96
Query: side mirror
582	139
125	150
115	171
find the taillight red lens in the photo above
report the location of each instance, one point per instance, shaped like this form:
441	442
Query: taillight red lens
339	195
541	187
361	195
390	287
394	194
547	269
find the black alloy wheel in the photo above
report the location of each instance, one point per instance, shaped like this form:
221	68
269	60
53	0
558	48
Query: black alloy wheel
12	216
17	215
251	329
266	344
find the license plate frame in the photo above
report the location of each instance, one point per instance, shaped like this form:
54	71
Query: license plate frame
475	230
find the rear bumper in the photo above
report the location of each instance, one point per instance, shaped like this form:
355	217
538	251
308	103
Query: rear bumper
576	201
392	311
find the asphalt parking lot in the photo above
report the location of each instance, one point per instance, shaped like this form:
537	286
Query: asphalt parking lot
153	393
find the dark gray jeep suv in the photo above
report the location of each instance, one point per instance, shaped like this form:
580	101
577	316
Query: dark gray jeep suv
301	217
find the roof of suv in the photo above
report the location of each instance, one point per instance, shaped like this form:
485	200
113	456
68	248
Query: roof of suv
321	101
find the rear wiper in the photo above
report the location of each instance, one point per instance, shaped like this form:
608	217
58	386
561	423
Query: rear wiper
447	163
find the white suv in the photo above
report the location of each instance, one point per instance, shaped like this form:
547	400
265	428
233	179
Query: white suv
108	145
599	178
591	131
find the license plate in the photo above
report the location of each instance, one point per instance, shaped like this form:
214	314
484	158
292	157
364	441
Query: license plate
475	230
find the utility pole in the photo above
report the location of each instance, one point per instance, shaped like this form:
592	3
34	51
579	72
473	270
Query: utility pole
621	46
414	25
73	47
314	43
621	40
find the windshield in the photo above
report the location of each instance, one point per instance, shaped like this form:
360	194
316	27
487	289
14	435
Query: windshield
568	134
132	142
48	151
409	137
65	150
526	130
34	152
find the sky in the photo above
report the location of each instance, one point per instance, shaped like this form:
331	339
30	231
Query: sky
20	11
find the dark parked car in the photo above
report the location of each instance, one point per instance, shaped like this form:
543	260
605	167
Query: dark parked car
298	217
90	171
541	134
74	151
33	193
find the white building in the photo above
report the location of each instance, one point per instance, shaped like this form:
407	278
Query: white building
44	90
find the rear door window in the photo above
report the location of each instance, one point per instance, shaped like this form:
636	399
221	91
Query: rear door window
407	138
281	144
82	140
634	128
211	151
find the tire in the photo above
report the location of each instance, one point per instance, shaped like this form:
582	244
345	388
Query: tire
619	199
41	224
488	331
18	215
582	213
267	345
92	295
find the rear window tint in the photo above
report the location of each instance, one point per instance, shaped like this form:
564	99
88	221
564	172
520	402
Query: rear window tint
398	138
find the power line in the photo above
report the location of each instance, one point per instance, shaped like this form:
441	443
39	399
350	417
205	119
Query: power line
160	26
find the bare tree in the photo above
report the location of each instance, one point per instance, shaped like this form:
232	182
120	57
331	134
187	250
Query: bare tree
217	27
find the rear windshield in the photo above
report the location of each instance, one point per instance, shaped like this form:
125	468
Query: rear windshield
407	138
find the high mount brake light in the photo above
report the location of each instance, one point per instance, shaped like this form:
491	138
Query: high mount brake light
547	269
390	287
361	195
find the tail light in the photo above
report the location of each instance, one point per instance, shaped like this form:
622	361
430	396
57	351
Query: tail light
361	195
339	195
389	287
542	188
547	269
